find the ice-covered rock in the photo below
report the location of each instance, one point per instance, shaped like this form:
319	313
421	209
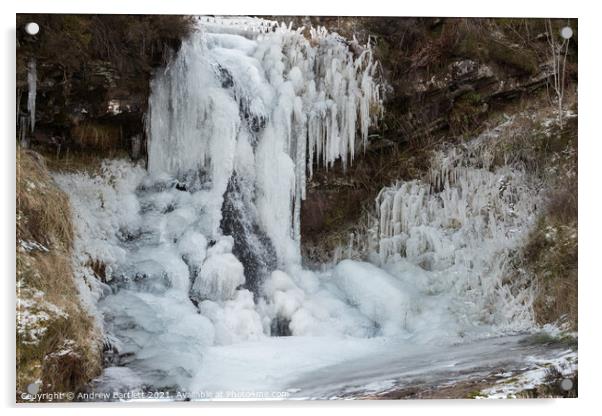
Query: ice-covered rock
235	320
378	295
193	247
221	275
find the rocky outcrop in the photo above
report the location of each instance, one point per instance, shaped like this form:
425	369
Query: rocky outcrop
93	75
446	79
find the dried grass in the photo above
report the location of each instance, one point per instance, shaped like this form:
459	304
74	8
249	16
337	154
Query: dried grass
552	256
67	355
97	136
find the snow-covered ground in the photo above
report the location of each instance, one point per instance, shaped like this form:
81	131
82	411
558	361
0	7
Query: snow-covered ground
296	368
399	367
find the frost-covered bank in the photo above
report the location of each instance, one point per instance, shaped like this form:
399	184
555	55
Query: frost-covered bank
58	342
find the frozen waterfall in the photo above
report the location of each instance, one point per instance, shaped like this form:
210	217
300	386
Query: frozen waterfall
200	253
462	225
261	101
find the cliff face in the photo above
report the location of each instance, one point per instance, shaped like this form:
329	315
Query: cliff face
448	79
93	75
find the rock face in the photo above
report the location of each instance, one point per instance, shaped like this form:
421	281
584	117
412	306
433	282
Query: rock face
447	79
464	92
93	75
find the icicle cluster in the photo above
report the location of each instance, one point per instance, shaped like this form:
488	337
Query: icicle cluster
462	226
241	25
247	95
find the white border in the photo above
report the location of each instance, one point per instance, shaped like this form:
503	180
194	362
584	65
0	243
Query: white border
590	156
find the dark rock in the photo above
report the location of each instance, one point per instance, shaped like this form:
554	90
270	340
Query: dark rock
280	327
251	245
94	69
225	77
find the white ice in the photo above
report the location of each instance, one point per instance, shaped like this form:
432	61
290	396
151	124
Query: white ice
32	84
263	103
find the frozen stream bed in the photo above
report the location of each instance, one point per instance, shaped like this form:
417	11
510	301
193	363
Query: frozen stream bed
326	368
296	368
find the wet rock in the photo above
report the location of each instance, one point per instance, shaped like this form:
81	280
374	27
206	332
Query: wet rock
251	245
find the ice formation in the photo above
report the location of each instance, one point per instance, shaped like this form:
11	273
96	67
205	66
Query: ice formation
462	225
250	97
202	250
32	81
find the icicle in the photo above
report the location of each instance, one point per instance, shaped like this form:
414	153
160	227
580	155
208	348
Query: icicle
32	79
459	224
307	97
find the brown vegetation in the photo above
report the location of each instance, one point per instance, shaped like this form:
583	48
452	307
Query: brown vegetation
549	154
58	345
551	255
91	135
